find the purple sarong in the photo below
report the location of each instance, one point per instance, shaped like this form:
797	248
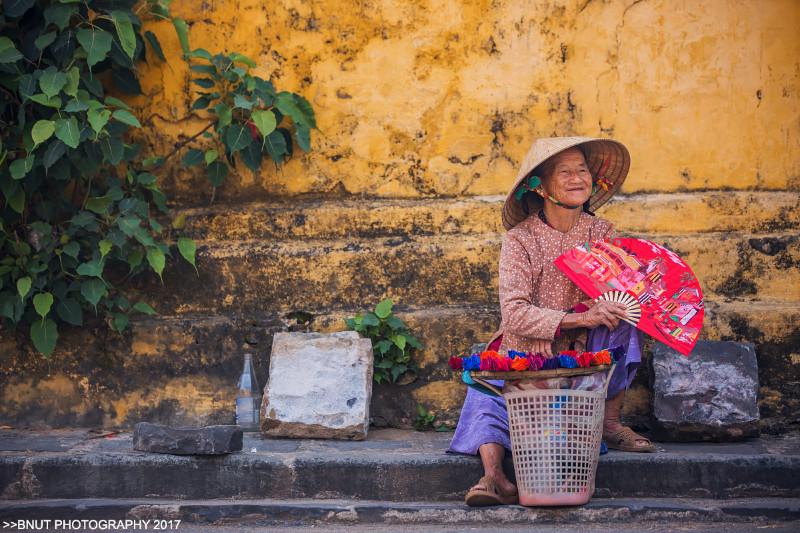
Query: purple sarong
483	418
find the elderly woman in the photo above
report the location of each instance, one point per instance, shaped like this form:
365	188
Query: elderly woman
547	212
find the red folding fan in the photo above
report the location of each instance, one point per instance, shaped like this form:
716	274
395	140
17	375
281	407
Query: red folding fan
659	290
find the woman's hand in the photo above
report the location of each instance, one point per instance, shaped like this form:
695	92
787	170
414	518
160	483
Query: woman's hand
542	346
604	313
601	313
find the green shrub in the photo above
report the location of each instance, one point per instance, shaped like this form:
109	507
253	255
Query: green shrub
81	211
392	343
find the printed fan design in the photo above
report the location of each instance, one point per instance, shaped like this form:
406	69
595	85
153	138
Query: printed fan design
661	293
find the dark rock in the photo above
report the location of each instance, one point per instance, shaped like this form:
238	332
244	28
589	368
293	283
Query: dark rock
710	395
478	347
209	440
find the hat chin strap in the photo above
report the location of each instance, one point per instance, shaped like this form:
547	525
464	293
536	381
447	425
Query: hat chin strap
540	192
534	184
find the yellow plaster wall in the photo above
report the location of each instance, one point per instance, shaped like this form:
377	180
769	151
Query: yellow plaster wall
422	97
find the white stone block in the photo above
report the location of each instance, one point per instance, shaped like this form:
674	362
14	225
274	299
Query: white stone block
319	386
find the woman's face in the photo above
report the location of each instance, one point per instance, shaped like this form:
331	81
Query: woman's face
570	182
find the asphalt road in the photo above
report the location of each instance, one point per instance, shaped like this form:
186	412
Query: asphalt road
643	527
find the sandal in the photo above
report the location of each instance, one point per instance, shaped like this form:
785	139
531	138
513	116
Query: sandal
625	440
486	492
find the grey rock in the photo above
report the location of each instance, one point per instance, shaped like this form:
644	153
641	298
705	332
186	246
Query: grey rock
478	347
320	386
711	395
208	440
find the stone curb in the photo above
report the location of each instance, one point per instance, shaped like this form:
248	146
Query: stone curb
384	474
301	512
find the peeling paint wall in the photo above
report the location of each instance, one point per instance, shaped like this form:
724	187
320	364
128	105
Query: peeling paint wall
425	109
425	97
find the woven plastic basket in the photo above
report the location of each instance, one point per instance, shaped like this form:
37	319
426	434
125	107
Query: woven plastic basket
555	443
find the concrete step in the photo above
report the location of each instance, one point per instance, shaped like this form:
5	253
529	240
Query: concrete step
182	369
247	276
391	465
298	512
353	217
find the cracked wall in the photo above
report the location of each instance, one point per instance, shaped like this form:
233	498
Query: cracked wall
427	97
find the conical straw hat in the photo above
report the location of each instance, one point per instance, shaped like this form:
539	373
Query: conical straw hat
599	153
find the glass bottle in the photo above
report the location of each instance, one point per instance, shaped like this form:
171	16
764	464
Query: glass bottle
248	398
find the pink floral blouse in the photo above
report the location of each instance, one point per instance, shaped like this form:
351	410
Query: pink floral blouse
534	294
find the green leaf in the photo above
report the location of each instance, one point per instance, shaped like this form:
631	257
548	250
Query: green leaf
399	341
144	308
396	371
243	59
17	200
224	114
68	131
126	117
42	130
23	287
8	52
156	259
217	172
58	15
129	225
183	34
205	83
187	247
92	269
201	53
53	153
42	302
201	103
383	346
242	102
45	40
72	249
192	157
303	136
96	43
112	149
145	178
69	310
99	204
119	322
251	156
395	323
307	111
275	144
20	167
237	137
17	8
52	81
49	101
105	247
135	258
116	102
125	32
370	320
264	121
44	334
98	118
384	308
211	156
93	290
73	80
286	104
153	40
